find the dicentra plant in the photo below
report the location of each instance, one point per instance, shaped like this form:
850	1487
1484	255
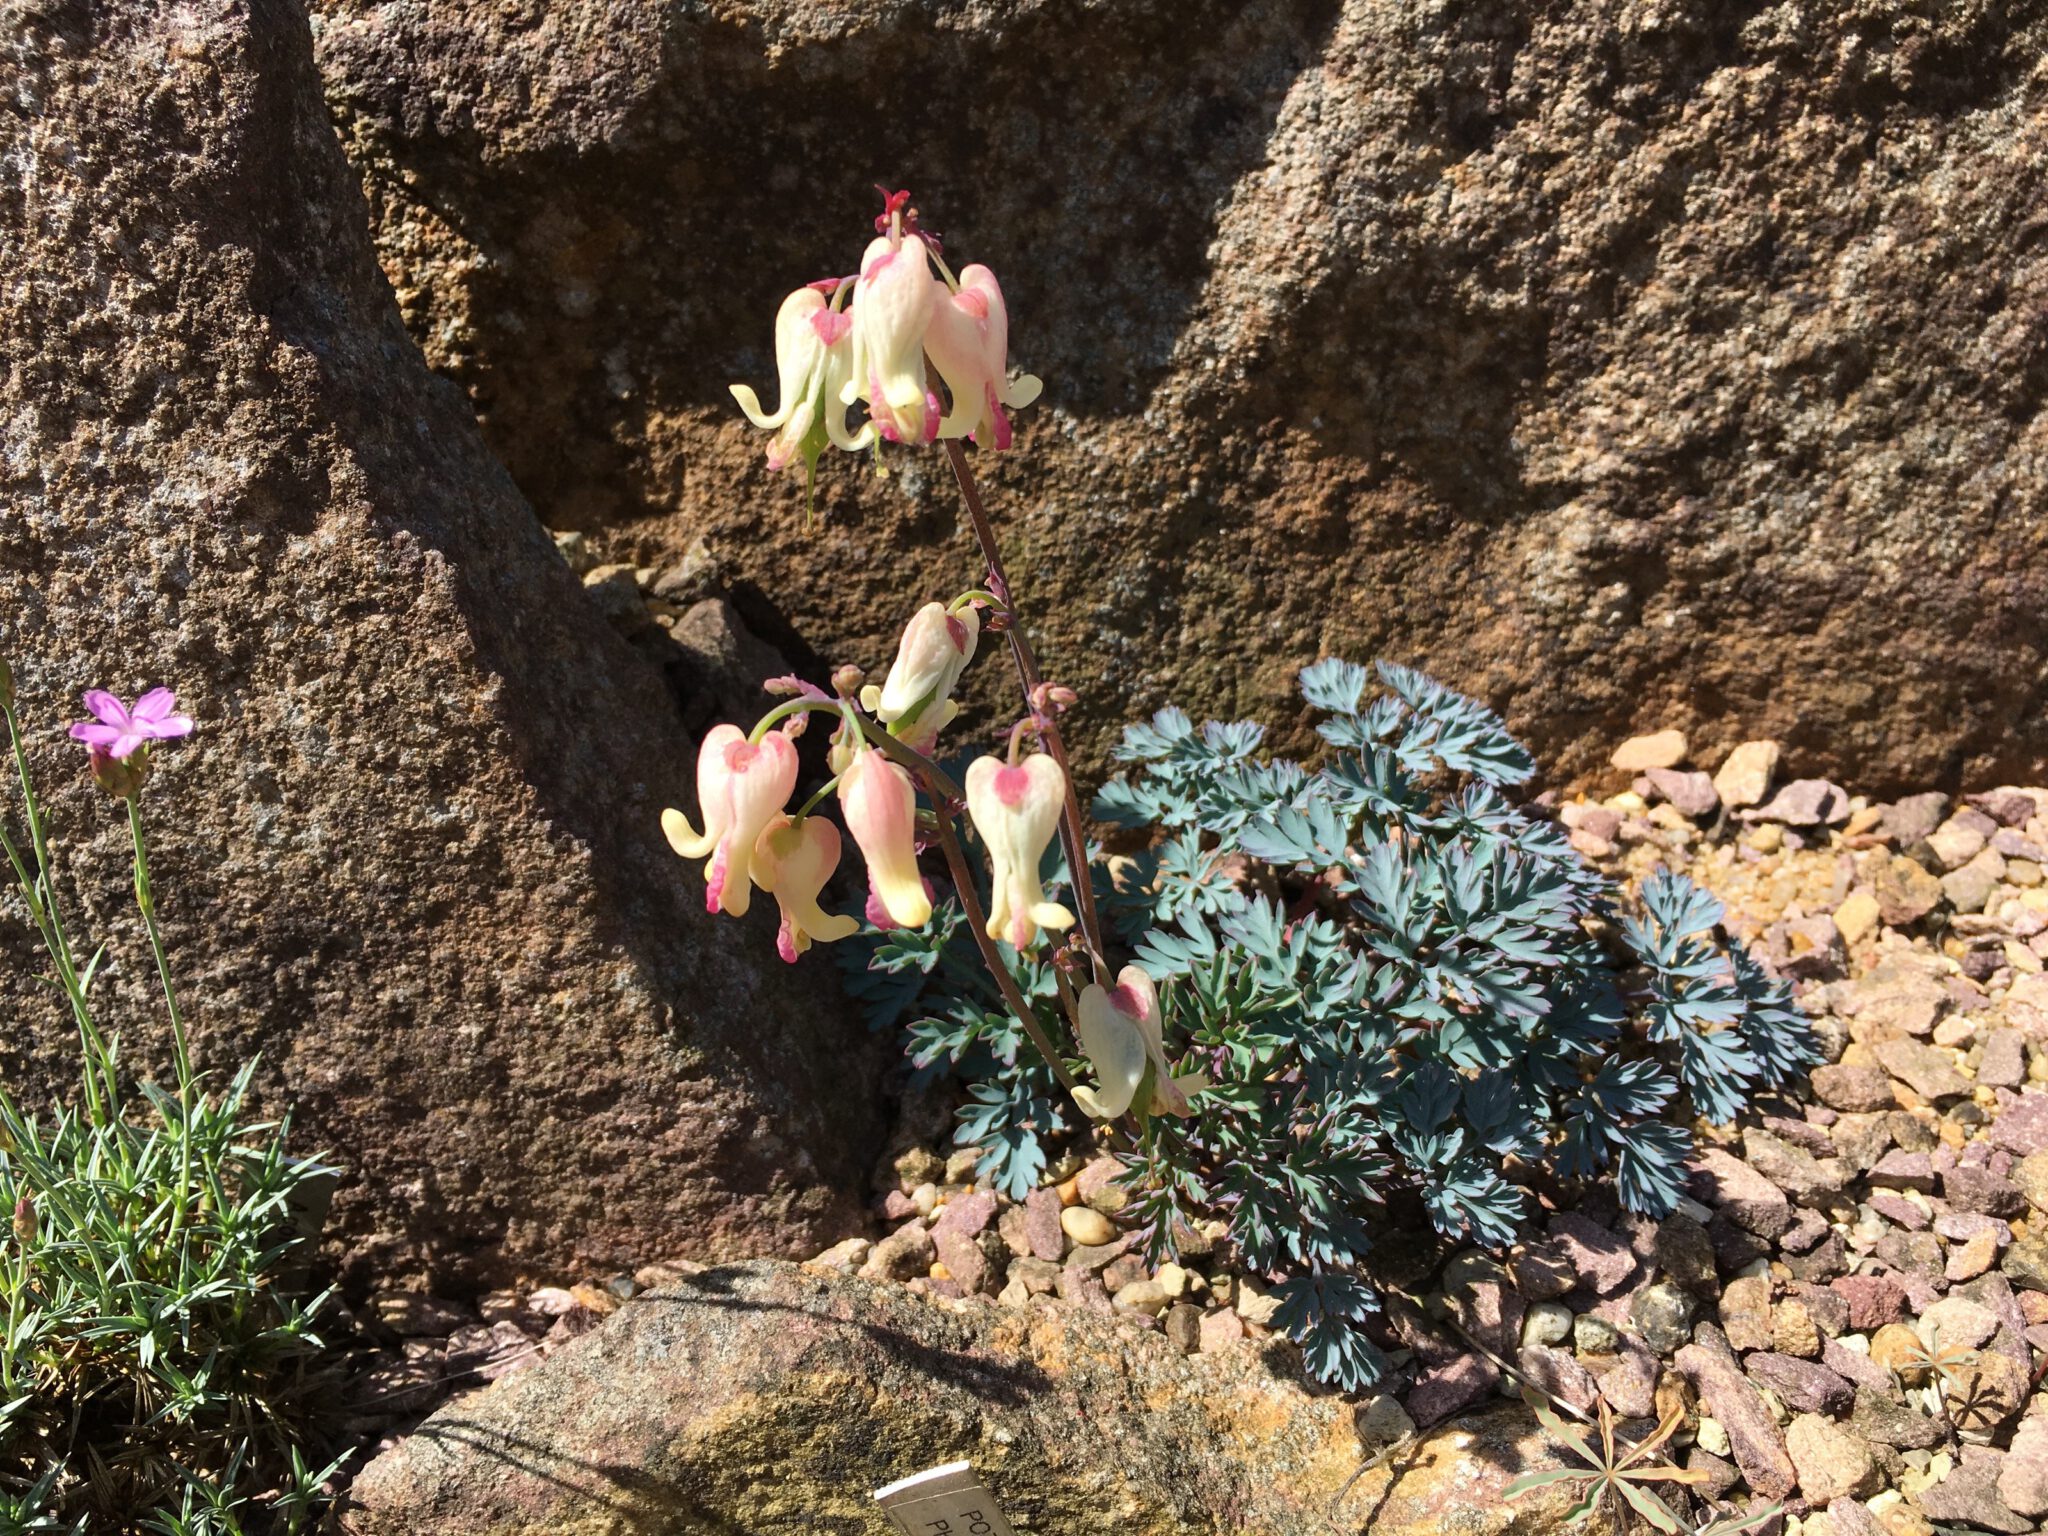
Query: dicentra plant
1311	985
155	1364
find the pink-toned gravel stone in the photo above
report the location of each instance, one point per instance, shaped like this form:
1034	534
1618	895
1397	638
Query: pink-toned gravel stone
1873	1301
1220	1329
1720	1179
1042	1225
1443	1389
1601	1262
1730	1396
969	1215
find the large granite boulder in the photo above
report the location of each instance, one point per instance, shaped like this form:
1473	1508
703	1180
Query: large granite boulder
412	853
1631	365
761	1398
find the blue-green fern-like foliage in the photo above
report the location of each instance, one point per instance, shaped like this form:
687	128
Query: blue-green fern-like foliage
1391	974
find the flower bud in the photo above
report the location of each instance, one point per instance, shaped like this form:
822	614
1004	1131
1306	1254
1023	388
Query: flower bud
880	805
1016	809
847	681
915	700
846	742
25	1222
1052	698
121	777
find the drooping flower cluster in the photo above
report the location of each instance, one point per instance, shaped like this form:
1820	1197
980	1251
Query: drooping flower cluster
744	784
1015	803
751	838
890	338
866	340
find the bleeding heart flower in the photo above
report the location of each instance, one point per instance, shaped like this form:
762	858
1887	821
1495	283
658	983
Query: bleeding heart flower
813	363
969	343
1120	1032
741	785
1016	809
915	700
880	805
792	861
892	307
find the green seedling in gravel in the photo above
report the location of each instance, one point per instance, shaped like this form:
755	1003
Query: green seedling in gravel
1946	1363
1615	1471
156	1368
1736	1525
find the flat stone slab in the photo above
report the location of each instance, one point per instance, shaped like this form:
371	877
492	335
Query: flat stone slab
767	1399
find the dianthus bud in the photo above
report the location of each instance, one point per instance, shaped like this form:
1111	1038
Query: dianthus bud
915	700
1016	810
121	777
740	786
880	805
792	861
24	1222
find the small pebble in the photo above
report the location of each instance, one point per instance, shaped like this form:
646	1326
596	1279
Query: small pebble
1087	1226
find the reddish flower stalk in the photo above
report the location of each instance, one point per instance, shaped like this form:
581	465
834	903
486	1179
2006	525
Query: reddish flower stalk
1073	830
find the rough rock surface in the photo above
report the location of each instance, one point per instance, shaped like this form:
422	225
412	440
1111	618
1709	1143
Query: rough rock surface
763	1398
412	854
1588	357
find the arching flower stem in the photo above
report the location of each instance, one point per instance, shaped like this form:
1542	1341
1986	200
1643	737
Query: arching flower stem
1028	723
783	711
816	799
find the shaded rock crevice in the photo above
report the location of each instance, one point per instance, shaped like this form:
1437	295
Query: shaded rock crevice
412	855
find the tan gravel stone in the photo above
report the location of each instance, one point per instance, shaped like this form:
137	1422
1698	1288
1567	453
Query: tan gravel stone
1662	749
1833	1463
1857	917
1087	1226
1744	777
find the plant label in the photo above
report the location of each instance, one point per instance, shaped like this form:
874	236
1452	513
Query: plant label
946	1501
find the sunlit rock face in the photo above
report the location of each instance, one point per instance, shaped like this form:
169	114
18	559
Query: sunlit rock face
1626	367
